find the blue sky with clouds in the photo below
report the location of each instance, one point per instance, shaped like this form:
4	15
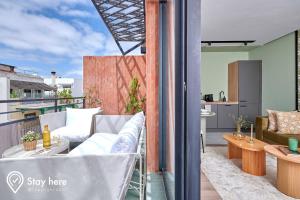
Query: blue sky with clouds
46	35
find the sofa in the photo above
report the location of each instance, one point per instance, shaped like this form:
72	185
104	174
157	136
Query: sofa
272	137
76	125
99	168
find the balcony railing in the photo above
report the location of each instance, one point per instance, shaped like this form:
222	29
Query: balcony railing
17	118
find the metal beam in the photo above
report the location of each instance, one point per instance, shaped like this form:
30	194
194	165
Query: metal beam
125	19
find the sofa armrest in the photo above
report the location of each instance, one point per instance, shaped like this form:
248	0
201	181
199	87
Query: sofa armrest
93	124
261	125
103	176
53	120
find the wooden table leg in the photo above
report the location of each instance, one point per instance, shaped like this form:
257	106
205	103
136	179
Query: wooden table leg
288	178
234	151
254	162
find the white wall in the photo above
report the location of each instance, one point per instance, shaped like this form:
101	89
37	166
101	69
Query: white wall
278	73
77	88
4	95
214	71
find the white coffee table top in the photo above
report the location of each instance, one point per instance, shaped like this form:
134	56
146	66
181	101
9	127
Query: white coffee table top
19	152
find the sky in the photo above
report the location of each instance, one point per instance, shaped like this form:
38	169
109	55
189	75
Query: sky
52	35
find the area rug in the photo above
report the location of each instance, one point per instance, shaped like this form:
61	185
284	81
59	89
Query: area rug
234	184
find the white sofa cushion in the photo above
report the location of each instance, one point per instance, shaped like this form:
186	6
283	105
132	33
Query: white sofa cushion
71	133
126	143
129	135
81	119
134	125
139	120
99	143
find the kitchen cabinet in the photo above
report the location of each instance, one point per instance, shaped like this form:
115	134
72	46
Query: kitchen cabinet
212	122
225	113
244	86
250	82
249	110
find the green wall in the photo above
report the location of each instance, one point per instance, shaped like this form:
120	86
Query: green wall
214	70
278	73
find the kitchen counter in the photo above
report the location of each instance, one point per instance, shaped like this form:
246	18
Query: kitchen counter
221	103
205	115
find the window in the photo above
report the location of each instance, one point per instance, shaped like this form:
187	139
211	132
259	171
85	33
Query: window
27	93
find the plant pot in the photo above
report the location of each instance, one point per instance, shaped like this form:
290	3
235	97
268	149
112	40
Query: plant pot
29	146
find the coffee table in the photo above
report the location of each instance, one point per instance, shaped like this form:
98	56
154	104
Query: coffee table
19	152
253	155
288	172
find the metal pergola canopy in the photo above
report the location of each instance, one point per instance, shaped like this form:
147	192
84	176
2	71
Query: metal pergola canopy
125	19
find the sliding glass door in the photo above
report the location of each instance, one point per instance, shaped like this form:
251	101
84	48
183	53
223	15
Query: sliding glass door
297	63
167	96
180	98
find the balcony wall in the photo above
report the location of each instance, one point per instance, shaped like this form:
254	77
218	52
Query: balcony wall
108	78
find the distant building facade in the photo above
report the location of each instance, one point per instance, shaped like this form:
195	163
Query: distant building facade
73	84
17	85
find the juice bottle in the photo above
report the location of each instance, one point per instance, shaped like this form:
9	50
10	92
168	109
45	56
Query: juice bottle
46	137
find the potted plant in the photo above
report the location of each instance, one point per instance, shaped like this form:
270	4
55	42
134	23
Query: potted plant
65	93
29	140
135	103
92	98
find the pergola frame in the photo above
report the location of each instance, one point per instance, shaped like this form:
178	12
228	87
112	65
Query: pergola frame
125	19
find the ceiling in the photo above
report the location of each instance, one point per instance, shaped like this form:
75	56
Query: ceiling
259	20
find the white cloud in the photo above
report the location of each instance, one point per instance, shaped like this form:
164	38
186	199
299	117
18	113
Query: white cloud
12	54
30	35
36	5
28	32
67	11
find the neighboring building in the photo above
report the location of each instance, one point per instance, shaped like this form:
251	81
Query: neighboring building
75	85
19	85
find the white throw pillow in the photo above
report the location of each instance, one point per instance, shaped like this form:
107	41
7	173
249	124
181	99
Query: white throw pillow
134	125
99	143
71	133
138	119
81	119
129	135
126	143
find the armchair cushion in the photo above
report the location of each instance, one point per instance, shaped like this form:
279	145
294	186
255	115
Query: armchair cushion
53	120
126	143
272	120
129	135
288	122
277	138
134	125
99	143
74	124
81	118
72	133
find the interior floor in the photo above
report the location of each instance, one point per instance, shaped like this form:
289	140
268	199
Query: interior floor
216	138
208	192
